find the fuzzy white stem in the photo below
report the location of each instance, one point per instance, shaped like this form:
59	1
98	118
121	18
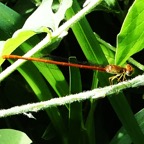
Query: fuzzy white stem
94	94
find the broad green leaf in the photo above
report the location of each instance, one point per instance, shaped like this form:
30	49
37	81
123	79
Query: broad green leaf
130	39
55	79
92	51
87	40
11	44
11	136
10	21
42	19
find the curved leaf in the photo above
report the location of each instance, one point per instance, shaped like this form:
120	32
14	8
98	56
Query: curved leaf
11	44
10	136
130	39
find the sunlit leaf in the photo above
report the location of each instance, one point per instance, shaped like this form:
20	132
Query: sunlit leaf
130	39
10	136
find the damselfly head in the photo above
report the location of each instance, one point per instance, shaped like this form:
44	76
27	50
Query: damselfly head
129	70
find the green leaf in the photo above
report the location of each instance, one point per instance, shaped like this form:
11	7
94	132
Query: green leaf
90	123
10	136
130	39
11	44
38	85
10	21
122	136
34	78
87	41
75	111
93	52
42	19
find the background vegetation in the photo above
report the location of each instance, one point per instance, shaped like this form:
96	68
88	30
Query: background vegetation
108	120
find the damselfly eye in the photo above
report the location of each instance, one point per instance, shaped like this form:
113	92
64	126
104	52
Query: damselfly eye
129	70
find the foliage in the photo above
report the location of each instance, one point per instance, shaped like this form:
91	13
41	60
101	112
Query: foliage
28	30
